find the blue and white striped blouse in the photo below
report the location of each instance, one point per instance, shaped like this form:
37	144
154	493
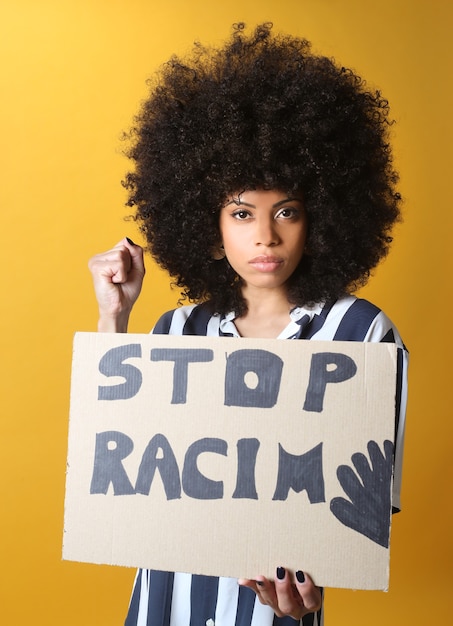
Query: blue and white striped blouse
177	599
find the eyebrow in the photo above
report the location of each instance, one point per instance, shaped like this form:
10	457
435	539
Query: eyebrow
239	202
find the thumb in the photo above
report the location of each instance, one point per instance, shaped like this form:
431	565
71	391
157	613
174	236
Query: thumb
137	264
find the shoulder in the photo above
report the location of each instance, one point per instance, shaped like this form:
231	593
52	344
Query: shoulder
356	319
192	319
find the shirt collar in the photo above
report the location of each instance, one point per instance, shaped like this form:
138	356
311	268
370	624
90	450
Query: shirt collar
300	317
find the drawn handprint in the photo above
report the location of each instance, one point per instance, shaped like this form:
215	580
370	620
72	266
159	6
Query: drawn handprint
369	491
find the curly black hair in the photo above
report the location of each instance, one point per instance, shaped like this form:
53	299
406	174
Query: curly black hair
263	112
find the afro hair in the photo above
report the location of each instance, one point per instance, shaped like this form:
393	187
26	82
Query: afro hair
262	112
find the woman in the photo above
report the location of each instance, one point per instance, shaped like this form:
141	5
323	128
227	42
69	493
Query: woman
264	185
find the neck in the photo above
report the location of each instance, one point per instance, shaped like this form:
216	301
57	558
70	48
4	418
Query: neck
271	302
267	313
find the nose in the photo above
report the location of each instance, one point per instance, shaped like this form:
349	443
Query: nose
266	233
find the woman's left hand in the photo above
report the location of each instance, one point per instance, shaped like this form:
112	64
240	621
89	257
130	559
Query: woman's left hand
287	595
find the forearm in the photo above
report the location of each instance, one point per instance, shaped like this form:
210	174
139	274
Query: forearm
113	324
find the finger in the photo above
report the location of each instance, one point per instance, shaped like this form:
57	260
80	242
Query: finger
343	510
136	254
116	265
379	459
310	594
107	263
362	467
265	590
247	582
349	481
288	602
118	262
388	449
376	457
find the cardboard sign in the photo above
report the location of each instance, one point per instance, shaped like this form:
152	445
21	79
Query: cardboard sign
225	457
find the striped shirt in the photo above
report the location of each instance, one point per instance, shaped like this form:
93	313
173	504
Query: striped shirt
176	599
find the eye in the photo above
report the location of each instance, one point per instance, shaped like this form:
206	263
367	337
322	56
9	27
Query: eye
241	214
288	212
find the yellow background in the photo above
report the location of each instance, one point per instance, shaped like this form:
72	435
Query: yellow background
72	75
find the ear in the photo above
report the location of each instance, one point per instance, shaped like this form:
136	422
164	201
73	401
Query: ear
218	252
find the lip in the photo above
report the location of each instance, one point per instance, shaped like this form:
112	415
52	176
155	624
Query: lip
264	263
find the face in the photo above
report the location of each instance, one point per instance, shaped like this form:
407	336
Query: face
263	234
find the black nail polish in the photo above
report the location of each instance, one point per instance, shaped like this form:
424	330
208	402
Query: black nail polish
300	577
281	573
130	241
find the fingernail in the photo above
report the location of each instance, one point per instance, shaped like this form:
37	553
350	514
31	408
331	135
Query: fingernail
300	577
130	241
281	573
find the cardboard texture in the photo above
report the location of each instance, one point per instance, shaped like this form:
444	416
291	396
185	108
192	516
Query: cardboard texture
225	457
